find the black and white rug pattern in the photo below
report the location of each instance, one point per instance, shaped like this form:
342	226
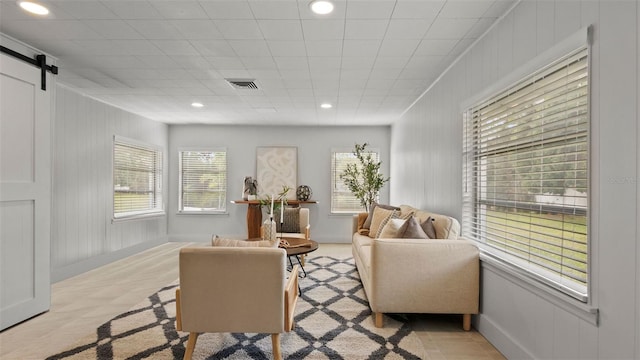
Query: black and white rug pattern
332	321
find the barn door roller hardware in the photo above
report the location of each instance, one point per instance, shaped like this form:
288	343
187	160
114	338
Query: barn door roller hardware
40	61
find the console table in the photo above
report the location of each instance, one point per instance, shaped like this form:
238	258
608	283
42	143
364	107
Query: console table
254	214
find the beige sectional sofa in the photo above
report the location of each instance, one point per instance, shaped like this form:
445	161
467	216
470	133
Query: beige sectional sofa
418	275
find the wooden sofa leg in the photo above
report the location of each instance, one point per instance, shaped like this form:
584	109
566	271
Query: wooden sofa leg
466	322
379	321
275	342
191	345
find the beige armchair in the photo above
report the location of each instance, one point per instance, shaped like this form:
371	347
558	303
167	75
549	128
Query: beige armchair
233	289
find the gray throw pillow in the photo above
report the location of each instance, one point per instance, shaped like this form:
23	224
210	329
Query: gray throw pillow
428	228
367	223
411	229
291	222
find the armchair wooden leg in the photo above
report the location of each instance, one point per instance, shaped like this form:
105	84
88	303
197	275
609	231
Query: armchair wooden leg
191	345
275	342
379	320
466	322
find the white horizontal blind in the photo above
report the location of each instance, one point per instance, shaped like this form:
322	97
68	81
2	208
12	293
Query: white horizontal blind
137	179
526	174
203	181
342	200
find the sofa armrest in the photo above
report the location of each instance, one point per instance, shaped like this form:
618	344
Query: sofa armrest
406	274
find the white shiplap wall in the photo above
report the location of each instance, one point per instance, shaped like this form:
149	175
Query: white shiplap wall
83	236
426	170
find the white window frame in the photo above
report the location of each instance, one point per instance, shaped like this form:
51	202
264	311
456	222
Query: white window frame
337	185
557	290
203	211
157	207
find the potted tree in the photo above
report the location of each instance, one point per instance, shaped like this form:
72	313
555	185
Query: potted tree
363	178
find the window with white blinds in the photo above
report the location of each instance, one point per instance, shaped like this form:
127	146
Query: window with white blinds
342	200
526	175
203	181
137	179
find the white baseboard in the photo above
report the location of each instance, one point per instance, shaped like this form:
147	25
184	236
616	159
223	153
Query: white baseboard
500	339
65	272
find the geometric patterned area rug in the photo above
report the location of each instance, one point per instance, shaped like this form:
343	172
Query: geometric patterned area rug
332	321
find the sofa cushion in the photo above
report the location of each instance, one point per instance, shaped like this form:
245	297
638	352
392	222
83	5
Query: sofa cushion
380	218
392	229
291	222
367	222
218	241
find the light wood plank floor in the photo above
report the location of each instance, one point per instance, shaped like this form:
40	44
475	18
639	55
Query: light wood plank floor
82	303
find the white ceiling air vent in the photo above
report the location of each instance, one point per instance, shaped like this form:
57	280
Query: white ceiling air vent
245	84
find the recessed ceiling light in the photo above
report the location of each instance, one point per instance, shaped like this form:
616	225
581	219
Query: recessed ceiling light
321	7
33	7
197	105
326	106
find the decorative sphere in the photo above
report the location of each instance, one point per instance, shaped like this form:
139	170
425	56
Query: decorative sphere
303	193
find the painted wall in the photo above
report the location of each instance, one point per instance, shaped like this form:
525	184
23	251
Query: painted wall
520	319
314	169
83	235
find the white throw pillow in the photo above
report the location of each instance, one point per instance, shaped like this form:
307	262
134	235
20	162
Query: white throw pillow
391	229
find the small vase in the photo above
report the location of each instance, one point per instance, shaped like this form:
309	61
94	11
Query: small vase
269	230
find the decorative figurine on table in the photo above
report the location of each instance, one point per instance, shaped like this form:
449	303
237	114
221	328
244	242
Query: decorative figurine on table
249	188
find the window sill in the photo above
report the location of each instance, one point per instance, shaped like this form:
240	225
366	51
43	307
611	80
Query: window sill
517	276
202	213
132	217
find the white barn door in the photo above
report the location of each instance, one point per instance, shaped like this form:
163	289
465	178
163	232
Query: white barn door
25	192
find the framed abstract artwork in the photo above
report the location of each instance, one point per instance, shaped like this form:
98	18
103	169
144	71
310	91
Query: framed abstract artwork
277	166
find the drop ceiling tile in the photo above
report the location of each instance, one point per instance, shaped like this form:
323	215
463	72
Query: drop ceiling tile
259	62
338	12
234	74
250	47
239	29
361	48
10	11
398	47
52	29
225	62
325	62
435	47
180	9
84	9
449	28
354	74
158	62
323	29
324	48
465	9
133	10
197	29
412	9
291	62
295	75
113	29
358	62
264	74
155	29
365	29
274	9
190	61
352	84
380	9
408	28
385	73
461	46
415	73
281	29
176	47
287	48
218	48
424	62
227	9
380	83
324	75
391	62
